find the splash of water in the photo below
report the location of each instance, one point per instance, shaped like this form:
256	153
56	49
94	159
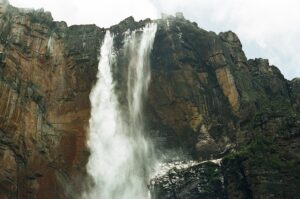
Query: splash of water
121	156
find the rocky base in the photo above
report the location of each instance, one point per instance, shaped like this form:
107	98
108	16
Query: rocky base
259	169
179	180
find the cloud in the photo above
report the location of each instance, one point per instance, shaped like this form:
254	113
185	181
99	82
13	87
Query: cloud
267	28
101	12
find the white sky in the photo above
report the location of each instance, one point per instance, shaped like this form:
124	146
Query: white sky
267	28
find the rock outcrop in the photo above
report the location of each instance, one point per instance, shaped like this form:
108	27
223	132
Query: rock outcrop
46	73
206	101
189	180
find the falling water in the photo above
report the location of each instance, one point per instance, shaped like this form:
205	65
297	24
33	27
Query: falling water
50	45
120	154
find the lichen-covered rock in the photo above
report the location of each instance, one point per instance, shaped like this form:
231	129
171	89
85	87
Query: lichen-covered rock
295	92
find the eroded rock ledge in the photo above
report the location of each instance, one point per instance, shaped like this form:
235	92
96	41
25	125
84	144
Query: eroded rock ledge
188	179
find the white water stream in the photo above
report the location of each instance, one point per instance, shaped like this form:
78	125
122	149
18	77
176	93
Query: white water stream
121	157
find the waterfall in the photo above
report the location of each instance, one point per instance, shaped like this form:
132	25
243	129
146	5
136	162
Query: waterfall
121	156
50	45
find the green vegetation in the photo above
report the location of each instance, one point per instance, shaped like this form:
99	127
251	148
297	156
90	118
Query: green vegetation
211	178
261	153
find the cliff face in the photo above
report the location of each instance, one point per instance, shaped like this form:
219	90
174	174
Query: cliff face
46	74
218	104
206	100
